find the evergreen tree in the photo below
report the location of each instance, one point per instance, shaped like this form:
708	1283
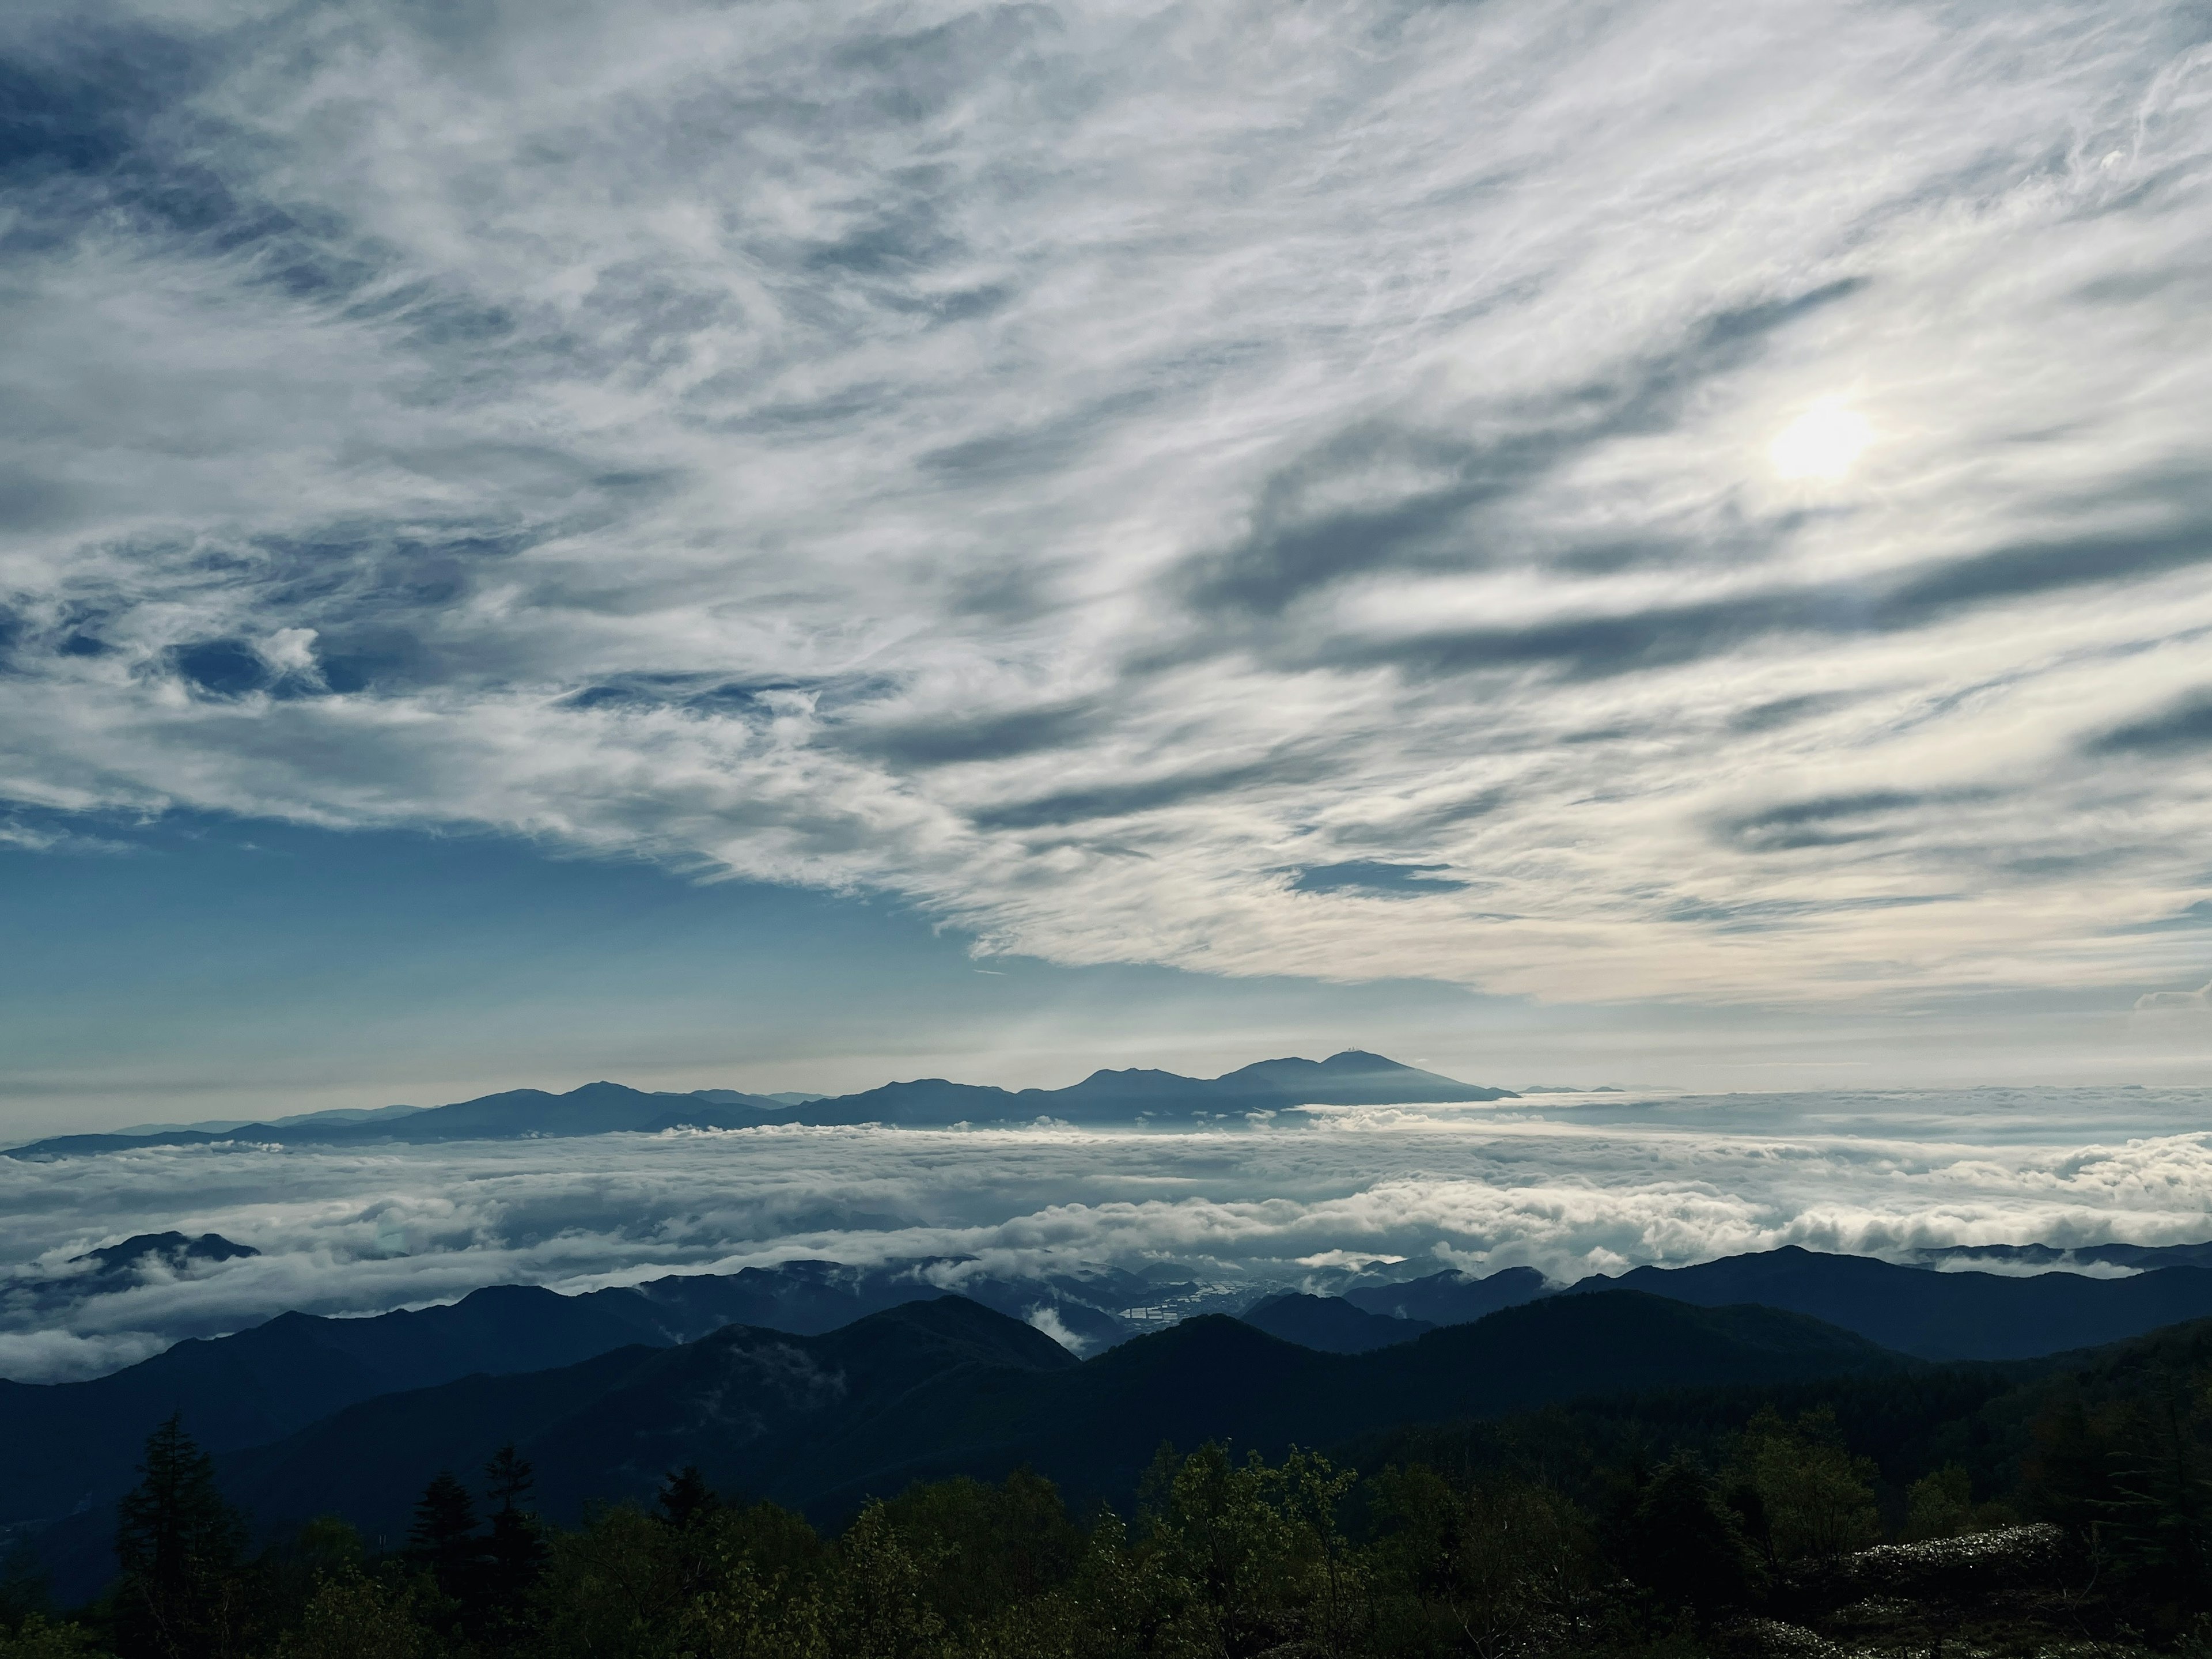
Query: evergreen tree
686	1499
179	1546
517	1553
444	1536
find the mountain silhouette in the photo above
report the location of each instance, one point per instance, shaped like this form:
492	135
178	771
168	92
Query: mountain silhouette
171	1250
948	1386
1935	1314
1351	1078
68	1443
1330	1324
1451	1297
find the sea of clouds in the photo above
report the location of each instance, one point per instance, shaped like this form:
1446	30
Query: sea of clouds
1570	1184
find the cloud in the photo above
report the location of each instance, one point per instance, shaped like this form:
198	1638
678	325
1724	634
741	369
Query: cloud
1573	1187
1048	1320
2197	1001
1371	876
1067	467
2181	726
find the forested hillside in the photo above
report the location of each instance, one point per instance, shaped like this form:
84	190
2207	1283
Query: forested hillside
2054	1507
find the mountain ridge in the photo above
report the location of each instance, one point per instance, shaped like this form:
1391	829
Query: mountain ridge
948	1382
1351	1078
1940	1315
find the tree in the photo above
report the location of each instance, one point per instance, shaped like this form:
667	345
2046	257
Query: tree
882	1612
1479	1571
444	1537
1815	1499
180	1546
686	1499
517	1553
352	1616
1682	1544
999	1544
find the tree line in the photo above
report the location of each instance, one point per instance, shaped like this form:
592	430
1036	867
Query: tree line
1565	1534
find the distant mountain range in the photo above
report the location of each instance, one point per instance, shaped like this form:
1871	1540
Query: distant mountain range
1351	1078
1936	1314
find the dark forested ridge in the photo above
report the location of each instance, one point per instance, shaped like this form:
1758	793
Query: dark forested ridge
1609	1474
1351	1078
74	1442
67	1444
948	1386
1937	1315
70	1443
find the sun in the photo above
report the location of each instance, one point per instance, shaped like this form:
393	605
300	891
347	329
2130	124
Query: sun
1821	443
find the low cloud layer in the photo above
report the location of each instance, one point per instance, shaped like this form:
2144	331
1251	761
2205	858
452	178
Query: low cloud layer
1181	483
1572	1184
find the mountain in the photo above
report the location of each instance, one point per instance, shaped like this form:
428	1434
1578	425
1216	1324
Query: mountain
2068	1257
807	1299
1450	1297
333	1115
74	1442
1351	1078
516	1113
1936	1315
68	1443
171	1250
1330	1324
948	1386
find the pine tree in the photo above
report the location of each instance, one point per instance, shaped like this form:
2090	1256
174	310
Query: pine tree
518	1548
179	1546
444	1536
686	1499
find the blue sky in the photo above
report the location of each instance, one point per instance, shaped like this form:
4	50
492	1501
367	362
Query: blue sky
790	544
190	967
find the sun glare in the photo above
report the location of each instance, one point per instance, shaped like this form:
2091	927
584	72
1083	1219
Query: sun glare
1821	443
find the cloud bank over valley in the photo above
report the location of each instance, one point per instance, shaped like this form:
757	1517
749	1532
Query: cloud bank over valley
1570	1184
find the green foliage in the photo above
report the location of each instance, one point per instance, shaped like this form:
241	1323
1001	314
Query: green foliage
1815	1501
727	1582
1737	1523
1480	1569
39	1637
989	1545
880	1611
1940	1504
351	1615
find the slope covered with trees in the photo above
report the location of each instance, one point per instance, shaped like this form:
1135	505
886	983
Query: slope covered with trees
2050	1510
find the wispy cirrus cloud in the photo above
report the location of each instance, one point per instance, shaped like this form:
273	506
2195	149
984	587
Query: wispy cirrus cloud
1077	467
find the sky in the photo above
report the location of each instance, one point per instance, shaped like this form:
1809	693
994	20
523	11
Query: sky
786	545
